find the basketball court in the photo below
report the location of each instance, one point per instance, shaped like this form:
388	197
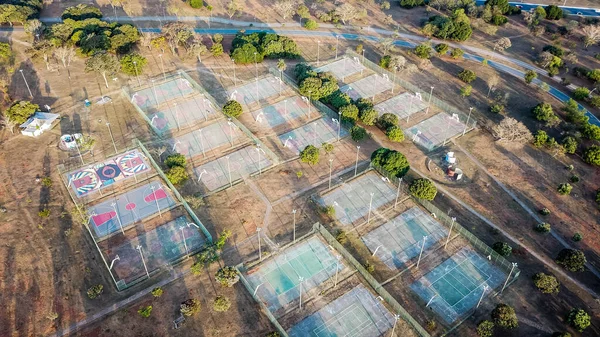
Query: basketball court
94	177
401	239
342	68
153	96
455	286
323	130
228	169
367	87
436	130
284	111
357	313
256	91
403	105
213	136
127	208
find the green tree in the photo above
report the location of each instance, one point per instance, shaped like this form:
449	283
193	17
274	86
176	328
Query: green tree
81	12
395	134
542	227
457	53
7	57
339	99
227	276
581	93
579	319
390	161
547	284
311	24
502	5
423	51
571	259
104	64
485	328
246	54
357	133
216	49
591	155
441	49
411	3
177	175
368	116
145	311
176	159
10	13
423	188
327	147
350	112
540	138
543	112
130	68
553	12
196	3
157	292
570	144
502	248
95	291
574	114
190	307
505	317
530	75
303	11
594	75
466	90
591	131
467	76
309	155
386	121
232	109
564	189
20	111
221	304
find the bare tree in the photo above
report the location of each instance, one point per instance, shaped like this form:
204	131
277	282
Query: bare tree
591	35
511	130
397	62
177	33
146	39
492	81
197	48
545	58
34	27
232	8
65	54
410	69
502	44
386	44
42	49
286	8
346	12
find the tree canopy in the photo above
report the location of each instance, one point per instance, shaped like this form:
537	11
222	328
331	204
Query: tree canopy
505	317
456	27
571	259
267	45
20	111
423	188
391	161
232	109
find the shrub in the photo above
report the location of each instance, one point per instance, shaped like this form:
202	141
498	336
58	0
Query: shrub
423	188
411	3
358	133
369	267
190	307
216	49
157	292
232	109
498	20
564	189
95	291
554	50
44	213
327	147
177	175
466	90
390	161
349	111
341	237
504	316
577	237
595	101
574	179
47	182
176	159
591	131
571	259
299	174
395	134
329	210
130	68
553	12
502	248
579	319
485	329
497	108
442	49
145	311
273	334
423	51
530	75
311	24
543	227
544	211
196	3
309	155
457	53
570	144
386	121
467	76
592	75
368	116
592	155
227	276
540	138
547	284
221	304
581	93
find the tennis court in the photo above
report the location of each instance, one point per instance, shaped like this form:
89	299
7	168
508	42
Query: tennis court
278	279
256	91
455	286
323	130
436	130
159	93
127	208
357	313
159	247
351	200
183	113
401	239
198	142
281	112
225	170
367	87
94	177
403	105
342	68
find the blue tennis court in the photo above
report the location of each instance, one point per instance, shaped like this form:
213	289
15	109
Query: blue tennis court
213	136
151	97
278	279
282	112
323	130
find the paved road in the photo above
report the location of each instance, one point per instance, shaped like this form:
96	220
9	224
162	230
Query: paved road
583	11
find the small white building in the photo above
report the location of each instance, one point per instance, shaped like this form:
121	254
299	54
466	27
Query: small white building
38	123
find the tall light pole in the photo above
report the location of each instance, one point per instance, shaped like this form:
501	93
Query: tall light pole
229	171
136	73
468	118
139	248
230	131
202	143
294	235
156	199
79	151
177	117
318	49
309	93
301	281
26	84
184	243
514	265
421	253
449	232
234	77
112	263
259	247
114	206
356	164
111	137
396	318
337	38
337	268
429	103
370	205
155	95
330	165
162	65
339	125
485	288
398	192
258	150
256	75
